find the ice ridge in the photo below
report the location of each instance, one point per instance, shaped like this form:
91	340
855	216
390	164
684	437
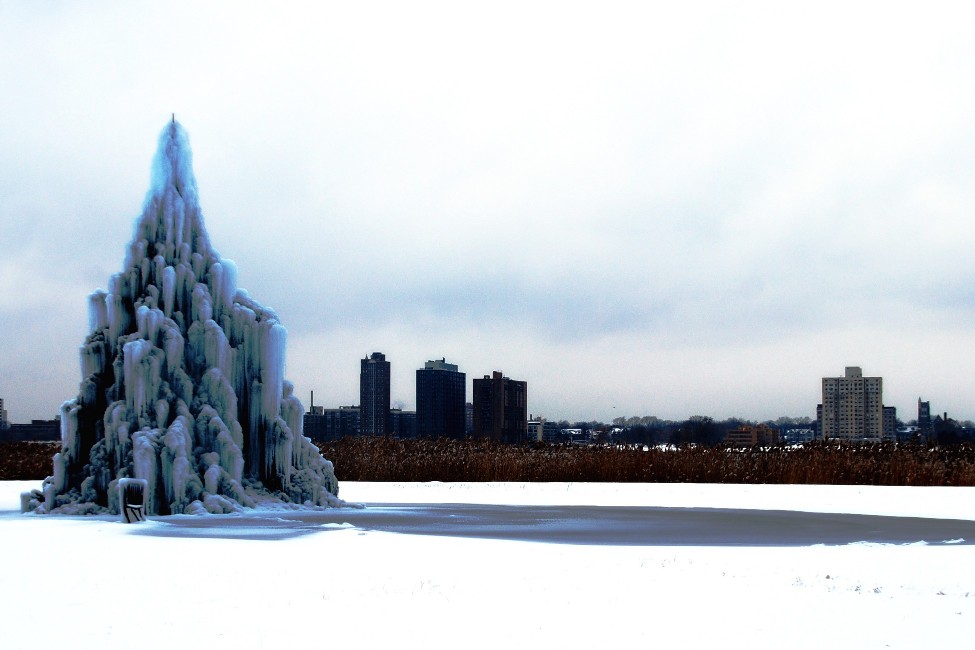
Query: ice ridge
182	377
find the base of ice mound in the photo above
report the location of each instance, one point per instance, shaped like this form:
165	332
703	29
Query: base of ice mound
183	383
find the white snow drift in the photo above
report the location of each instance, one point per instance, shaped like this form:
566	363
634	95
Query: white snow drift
356	588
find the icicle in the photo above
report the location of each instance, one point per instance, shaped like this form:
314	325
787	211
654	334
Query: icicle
223	286
211	478
94	358
141	318
184	287
114	314
173	347
70	444
219	394
60	479
216	348
197	263
97	311
272	343
168	290
202	305
144	464
154	320
177	476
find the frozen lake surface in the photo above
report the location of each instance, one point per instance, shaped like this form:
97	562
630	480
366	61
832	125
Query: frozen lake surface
568	565
597	525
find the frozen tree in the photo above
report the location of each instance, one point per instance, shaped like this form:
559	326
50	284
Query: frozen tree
182	378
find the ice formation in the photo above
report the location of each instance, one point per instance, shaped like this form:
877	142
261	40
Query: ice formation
182	378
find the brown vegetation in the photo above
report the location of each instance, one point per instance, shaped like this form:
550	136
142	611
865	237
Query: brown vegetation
25	461
390	459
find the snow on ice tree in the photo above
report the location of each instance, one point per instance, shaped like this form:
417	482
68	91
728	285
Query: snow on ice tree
182	378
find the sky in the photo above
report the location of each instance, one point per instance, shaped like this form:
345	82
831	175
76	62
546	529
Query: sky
666	209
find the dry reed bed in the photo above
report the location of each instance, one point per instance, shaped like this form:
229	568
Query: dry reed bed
26	461
390	459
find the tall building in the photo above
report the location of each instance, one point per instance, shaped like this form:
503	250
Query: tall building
3	416
890	423
923	415
441	392
501	408
853	407
374	419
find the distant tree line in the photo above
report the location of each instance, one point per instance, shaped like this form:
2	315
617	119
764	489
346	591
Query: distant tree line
651	430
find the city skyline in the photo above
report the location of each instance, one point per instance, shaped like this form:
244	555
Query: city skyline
639	210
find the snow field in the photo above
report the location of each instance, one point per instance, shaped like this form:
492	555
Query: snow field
88	582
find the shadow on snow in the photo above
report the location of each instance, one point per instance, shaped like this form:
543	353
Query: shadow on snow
590	525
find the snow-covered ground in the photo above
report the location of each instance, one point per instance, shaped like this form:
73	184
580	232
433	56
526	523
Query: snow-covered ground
98	583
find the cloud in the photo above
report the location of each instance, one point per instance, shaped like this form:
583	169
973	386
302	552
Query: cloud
700	189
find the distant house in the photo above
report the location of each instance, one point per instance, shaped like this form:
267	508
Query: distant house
322	424
541	430
36	431
748	435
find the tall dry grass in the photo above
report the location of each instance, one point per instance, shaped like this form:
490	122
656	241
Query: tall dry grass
390	459
26	461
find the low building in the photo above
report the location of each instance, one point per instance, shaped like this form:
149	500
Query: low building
798	434
322	424
404	423
36	431
541	430
748	436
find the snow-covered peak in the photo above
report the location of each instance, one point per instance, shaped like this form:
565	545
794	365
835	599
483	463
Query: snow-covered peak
172	166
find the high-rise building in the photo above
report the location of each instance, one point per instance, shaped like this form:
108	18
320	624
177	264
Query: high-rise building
441	392
374	396
853	407
923	415
500	408
890	423
3	416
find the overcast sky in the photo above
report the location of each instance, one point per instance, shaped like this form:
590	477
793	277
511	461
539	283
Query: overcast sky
668	209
